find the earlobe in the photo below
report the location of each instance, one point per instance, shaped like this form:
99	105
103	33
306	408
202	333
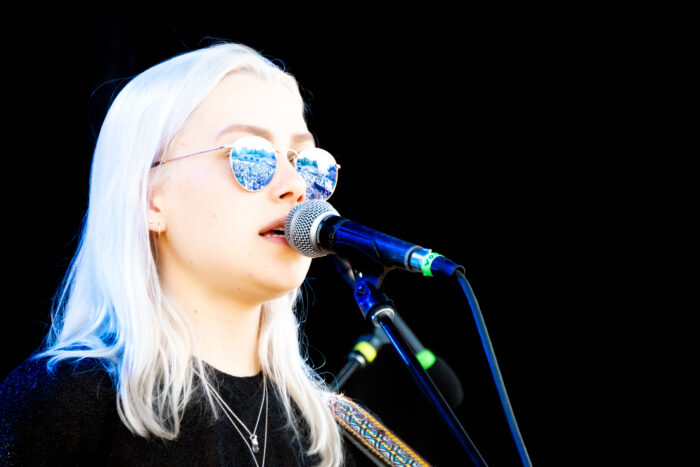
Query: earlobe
156	219
156	227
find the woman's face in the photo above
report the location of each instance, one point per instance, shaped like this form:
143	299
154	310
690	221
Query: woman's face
217	234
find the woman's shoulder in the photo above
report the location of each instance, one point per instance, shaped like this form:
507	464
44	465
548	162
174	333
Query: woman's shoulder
71	381
42	404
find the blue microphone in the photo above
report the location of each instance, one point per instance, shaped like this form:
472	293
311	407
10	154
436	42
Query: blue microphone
314	228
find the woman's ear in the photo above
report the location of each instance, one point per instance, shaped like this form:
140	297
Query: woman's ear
156	215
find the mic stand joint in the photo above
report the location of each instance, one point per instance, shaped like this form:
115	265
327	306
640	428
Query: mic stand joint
378	308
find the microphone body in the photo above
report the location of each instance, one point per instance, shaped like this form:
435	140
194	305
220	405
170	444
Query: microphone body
438	369
367	347
314	228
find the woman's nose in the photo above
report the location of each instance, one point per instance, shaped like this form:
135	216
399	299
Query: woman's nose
289	184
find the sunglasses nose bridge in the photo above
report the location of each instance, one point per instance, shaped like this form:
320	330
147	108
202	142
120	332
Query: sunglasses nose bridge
288	155
288	176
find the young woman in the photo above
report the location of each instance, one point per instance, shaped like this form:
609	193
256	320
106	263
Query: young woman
174	340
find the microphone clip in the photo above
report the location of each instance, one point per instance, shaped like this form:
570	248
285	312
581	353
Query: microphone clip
365	277
373	303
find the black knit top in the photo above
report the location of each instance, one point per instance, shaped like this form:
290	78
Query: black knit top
69	417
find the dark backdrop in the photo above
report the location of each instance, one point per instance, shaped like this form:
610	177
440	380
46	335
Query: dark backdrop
467	136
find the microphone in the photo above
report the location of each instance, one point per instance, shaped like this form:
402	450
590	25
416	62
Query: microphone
314	228
367	346
362	354
439	371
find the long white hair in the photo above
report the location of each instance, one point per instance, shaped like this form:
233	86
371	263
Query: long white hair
111	305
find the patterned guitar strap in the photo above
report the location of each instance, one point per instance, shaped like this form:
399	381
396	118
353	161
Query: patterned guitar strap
371	436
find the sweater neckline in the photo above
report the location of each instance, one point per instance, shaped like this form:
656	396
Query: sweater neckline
241	389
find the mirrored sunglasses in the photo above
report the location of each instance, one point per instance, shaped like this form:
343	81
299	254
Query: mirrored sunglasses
253	161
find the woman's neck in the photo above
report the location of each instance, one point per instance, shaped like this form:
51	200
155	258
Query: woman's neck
225	321
227	341
225	330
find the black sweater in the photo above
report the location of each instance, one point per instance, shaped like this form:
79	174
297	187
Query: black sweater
69	417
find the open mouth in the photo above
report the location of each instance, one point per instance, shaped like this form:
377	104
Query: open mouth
273	233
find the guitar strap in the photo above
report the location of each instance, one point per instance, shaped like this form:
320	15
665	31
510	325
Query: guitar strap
378	441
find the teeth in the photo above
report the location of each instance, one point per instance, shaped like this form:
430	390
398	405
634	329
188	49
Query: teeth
274	233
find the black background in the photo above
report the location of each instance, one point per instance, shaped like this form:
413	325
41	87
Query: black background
470	134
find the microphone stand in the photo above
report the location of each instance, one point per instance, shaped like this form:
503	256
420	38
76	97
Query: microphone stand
353	364
357	359
378	309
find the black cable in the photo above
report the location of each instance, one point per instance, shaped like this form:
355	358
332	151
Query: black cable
493	364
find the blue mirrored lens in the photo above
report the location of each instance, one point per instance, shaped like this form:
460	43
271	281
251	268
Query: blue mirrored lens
253	162
318	169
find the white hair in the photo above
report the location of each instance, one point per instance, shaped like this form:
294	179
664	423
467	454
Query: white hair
111	305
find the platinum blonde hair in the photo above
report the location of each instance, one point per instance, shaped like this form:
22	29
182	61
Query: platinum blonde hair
111	305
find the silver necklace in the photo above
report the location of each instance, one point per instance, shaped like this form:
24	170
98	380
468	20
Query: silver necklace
253	446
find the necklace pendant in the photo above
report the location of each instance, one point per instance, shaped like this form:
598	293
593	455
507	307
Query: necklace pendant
254	443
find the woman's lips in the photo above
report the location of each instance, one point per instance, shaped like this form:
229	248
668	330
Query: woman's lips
274	232
276	239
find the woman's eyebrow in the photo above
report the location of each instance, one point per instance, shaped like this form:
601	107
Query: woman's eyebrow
264	133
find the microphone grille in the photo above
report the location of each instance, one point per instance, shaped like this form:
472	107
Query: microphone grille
301	226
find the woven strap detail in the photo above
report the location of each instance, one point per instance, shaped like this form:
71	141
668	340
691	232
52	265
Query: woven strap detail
372	434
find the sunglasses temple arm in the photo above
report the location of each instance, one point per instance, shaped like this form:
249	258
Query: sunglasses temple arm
157	163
